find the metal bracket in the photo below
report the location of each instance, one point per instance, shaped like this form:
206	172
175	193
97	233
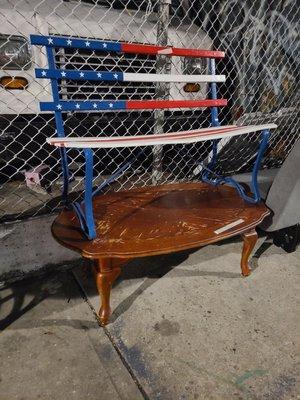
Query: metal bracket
255	197
84	211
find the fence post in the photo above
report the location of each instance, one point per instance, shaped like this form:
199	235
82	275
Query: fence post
163	66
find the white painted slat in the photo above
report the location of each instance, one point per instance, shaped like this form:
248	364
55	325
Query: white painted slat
192	136
128	76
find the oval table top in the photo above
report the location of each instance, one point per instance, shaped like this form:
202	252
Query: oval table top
159	219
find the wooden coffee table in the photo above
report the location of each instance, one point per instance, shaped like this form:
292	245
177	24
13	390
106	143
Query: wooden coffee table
158	220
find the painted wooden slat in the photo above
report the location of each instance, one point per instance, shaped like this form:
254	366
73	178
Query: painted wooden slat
167	136
128	76
172	51
128	105
123	77
83	105
162	104
91	44
69	42
86	75
182	137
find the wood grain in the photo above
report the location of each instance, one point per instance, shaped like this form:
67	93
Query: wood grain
159	219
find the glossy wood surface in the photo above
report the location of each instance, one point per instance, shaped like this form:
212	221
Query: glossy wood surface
159	219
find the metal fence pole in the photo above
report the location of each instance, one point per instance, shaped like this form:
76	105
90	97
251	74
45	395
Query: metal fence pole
163	66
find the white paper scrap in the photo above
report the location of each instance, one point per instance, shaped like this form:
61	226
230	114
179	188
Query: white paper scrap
229	226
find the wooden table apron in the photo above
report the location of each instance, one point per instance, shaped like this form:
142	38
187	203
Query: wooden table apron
158	220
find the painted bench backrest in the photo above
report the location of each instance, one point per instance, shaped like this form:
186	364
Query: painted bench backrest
55	75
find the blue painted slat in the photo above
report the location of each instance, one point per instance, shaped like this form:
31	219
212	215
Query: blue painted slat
79	75
65	42
260	153
59	127
213	93
88	194
83	105
214	118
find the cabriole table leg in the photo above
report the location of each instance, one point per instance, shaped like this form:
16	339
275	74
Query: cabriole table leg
106	271
250	238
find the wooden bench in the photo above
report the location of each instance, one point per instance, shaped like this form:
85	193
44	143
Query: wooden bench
115	227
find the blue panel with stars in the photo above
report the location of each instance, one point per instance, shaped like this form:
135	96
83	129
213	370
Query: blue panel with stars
65	42
83	105
79	75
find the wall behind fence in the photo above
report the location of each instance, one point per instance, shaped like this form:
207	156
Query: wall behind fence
262	46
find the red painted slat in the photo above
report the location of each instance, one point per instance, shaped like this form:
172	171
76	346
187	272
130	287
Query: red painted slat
198	53
182	52
159	104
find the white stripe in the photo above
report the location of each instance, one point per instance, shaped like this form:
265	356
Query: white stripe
143	140
128	76
137	137
165	51
229	226
108	138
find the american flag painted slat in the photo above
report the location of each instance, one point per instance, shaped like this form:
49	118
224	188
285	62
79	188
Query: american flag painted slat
123	77
128	105
159	139
92	44
146	138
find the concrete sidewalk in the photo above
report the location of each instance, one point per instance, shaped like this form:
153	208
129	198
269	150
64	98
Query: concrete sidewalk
185	326
52	347
190	327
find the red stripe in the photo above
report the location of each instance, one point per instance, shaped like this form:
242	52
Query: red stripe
157	104
175	135
198	53
146	49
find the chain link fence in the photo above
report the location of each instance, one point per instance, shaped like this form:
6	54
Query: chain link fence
259	37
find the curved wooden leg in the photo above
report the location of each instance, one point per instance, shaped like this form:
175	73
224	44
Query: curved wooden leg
106	272
250	238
